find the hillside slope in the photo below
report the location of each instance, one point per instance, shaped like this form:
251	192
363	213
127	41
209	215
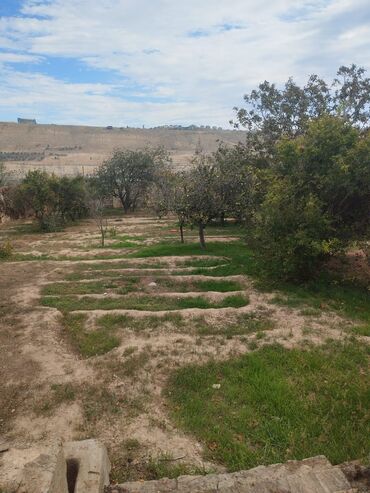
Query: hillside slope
72	149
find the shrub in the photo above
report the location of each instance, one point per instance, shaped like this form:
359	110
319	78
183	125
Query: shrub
318	198
6	249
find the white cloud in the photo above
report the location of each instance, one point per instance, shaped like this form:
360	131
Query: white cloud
149	46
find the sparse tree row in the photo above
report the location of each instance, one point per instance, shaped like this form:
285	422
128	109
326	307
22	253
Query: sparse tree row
300	183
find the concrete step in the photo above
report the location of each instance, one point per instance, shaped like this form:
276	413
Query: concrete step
314	475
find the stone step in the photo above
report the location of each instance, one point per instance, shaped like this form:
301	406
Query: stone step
314	475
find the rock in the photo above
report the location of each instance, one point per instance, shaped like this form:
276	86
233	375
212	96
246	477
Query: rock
4	446
88	465
216	386
47	473
152	284
314	475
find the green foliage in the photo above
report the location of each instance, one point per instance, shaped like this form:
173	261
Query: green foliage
277	404
318	200
202	199
128	174
53	200
276	112
6	250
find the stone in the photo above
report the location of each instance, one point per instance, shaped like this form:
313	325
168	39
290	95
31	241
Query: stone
88	465
152	284
47	473
314	475
4	446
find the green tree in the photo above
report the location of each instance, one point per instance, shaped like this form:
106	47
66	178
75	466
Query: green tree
318	200
235	184
202	198
53	200
271	113
128	174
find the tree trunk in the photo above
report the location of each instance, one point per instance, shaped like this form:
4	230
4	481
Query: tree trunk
102	237
201	236
182	232
222	219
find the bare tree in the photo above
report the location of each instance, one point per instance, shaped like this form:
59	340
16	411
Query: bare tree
96	208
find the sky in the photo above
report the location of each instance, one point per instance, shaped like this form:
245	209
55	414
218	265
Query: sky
158	62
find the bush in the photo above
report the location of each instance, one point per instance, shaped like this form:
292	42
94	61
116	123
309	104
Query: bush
318	199
51	199
6	250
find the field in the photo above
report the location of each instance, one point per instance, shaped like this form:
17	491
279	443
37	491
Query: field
179	360
76	149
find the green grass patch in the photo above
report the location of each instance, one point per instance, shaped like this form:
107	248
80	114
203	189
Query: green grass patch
69	303
238	258
361	330
204	262
221	286
152	322
277	404
63	288
89	342
345	298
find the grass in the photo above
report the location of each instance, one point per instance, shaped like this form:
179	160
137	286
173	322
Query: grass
221	286
57	395
88	342
246	323
62	288
109	274
129	464
277	404
347	299
69	303
239	260
363	330
115	322
242	324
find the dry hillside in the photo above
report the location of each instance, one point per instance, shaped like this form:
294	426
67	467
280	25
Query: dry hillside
72	149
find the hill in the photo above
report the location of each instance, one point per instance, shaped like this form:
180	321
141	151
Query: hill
67	149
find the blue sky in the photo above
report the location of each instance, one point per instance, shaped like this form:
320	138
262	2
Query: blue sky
155	62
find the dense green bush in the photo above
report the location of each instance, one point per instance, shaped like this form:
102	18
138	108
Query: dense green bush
51	199
6	249
318	198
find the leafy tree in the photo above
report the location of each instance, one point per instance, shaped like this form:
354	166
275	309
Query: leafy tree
160	195
71	197
202	198
318	200
235	183
38	192
128	174
272	113
53	200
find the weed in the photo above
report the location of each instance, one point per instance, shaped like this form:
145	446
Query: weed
6	250
88	343
69	303
58	394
